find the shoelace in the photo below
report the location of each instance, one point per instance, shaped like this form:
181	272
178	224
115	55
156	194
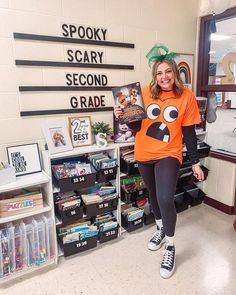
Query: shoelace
157	237
168	258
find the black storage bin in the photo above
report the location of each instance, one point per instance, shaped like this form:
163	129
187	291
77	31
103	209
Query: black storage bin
101	208
108	235
79	246
185	174
76	182
107	174
203	149
195	194
205	171
128	168
131	225
130	197
71	214
182	200
148	218
185	156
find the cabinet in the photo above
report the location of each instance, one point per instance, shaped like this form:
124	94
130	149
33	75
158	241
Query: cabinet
87	212
85	215
27	237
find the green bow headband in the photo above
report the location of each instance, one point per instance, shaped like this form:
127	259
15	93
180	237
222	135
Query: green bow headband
155	54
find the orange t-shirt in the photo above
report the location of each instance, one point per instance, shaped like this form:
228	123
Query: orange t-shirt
161	132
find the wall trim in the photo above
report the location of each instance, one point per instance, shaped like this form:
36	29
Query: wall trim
223	156
218	205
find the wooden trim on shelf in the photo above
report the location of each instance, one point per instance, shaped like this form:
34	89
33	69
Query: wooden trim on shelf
25	214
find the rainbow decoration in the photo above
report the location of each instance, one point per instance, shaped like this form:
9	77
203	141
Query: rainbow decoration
184	71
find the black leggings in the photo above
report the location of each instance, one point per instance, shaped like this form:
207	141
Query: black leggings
160	178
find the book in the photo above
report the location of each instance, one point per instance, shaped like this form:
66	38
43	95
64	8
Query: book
122	133
129	98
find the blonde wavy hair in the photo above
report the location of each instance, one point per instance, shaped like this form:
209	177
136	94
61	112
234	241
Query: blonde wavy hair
178	86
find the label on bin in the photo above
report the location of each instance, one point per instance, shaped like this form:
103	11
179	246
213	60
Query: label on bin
81	244
78	179
103	205
135	165
138	221
110	233
108	171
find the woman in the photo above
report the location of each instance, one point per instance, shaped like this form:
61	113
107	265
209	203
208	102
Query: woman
172	112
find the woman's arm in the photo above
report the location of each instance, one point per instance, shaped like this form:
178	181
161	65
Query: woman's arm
190	140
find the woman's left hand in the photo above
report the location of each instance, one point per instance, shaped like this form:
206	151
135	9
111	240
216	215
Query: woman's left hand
197	172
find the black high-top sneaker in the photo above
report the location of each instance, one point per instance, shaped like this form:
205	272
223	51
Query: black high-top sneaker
168	262
157	240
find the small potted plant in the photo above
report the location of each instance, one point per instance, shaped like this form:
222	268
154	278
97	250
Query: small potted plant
101	130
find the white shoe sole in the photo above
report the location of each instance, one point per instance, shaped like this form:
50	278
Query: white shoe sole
153	247
167	274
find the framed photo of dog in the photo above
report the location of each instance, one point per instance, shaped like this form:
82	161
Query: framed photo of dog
57	137
80	131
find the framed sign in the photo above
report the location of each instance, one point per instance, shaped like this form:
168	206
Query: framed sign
57	137
185	65
24	158
80	131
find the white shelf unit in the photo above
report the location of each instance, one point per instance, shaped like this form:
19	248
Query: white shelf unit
111	149
37	179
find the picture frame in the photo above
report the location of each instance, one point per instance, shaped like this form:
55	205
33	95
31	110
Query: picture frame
24	158
80	131
185	63
57	137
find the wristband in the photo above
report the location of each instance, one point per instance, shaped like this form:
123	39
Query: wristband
197	164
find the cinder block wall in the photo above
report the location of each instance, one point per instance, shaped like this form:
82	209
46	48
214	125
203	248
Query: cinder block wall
142	22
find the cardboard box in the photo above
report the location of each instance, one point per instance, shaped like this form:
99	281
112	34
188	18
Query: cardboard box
20	201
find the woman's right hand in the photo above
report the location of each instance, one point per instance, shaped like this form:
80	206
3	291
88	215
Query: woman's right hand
117	111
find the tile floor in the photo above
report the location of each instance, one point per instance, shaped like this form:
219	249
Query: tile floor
206	263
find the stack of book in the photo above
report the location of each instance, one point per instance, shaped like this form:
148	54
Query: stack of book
76	232
106	222
67	201
132	213
127	154
71	169
102	161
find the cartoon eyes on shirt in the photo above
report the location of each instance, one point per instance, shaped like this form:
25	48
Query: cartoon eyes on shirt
170	113
153	111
